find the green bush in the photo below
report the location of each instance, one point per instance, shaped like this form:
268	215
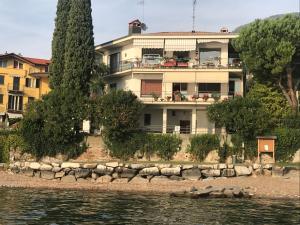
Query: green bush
288	142
166	145
10	140
201	145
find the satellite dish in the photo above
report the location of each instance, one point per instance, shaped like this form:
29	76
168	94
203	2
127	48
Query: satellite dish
144	26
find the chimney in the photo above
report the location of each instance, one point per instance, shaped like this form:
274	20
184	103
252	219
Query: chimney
135	27
224	30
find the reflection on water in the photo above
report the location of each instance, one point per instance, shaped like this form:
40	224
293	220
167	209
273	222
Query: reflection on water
25	206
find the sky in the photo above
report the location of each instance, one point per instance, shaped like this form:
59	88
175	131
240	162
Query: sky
27	25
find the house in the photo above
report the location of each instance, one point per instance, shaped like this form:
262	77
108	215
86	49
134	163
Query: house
175	74
22	80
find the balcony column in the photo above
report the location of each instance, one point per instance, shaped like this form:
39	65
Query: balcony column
194	121
165	119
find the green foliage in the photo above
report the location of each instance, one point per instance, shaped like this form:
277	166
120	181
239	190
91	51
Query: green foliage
52	125
272	100
201	145
287	143
243	116
79	47
10	140
58	43
271	51
167	145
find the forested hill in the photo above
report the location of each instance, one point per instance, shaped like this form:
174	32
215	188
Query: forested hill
270	17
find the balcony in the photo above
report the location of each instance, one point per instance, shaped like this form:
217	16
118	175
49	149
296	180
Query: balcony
15	89
173	63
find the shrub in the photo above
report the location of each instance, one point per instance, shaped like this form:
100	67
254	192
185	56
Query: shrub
201	145
166	145
288	142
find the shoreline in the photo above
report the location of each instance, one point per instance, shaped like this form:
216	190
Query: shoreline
286	187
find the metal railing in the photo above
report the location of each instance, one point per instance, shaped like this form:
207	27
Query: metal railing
15	88
163	63
174	129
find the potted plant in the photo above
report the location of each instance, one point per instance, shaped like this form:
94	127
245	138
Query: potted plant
155	96
205	97
195	97
216	96
177	96
169	98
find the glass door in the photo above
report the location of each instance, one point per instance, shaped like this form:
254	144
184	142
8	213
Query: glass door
16	83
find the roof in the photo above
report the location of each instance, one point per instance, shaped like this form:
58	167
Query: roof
38	61
196	33
34	61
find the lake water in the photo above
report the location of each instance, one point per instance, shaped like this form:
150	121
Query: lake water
27	206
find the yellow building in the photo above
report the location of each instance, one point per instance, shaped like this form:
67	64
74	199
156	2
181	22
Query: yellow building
22	80
175	74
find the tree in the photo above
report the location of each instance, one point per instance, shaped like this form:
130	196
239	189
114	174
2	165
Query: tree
270	98
79	48
271	51
58	44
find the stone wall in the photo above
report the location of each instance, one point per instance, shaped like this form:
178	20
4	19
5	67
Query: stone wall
119	172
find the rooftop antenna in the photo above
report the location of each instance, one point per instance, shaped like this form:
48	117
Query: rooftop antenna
142	3
194	14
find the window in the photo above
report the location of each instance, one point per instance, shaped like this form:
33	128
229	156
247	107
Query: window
210	56
149	87
114	62
31	83
113	86
1	98
1	79
182	87
183	55
46	69
209	87
15	103
3	63
28	82
37	83
18	65
147	119
30	99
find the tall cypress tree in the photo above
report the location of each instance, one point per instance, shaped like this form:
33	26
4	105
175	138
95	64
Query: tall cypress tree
58	43
79	48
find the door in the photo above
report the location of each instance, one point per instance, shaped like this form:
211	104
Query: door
16	83
231	87
185	126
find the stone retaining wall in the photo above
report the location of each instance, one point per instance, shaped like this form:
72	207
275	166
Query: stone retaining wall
119	172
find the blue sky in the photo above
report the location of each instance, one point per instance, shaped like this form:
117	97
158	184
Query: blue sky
27	25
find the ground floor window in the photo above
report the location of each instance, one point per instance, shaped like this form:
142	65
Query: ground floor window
15	102
147	119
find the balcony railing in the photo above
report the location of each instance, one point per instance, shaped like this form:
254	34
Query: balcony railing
15	110
171	63
15	88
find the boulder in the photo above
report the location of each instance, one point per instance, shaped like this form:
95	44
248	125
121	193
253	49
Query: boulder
230	166
170	171
48	175
128	173
243	170
68	179
59	174
228	173
162	166
205	166
104	179
257	172
267	172
56	169
158	179
268	166
150	171
191	174
104	170
211	173
176	178
27	172
256	166
46	167
222	166
212	157
90	165
70	165
34	166
49	160
112	164
55	164
121	180
137	166
82	173
95	176
187	167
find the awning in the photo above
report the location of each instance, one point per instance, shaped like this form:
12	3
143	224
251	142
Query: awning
180	45
221	40
148	43
14	115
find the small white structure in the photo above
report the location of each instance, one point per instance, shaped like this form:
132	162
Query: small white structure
86	126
